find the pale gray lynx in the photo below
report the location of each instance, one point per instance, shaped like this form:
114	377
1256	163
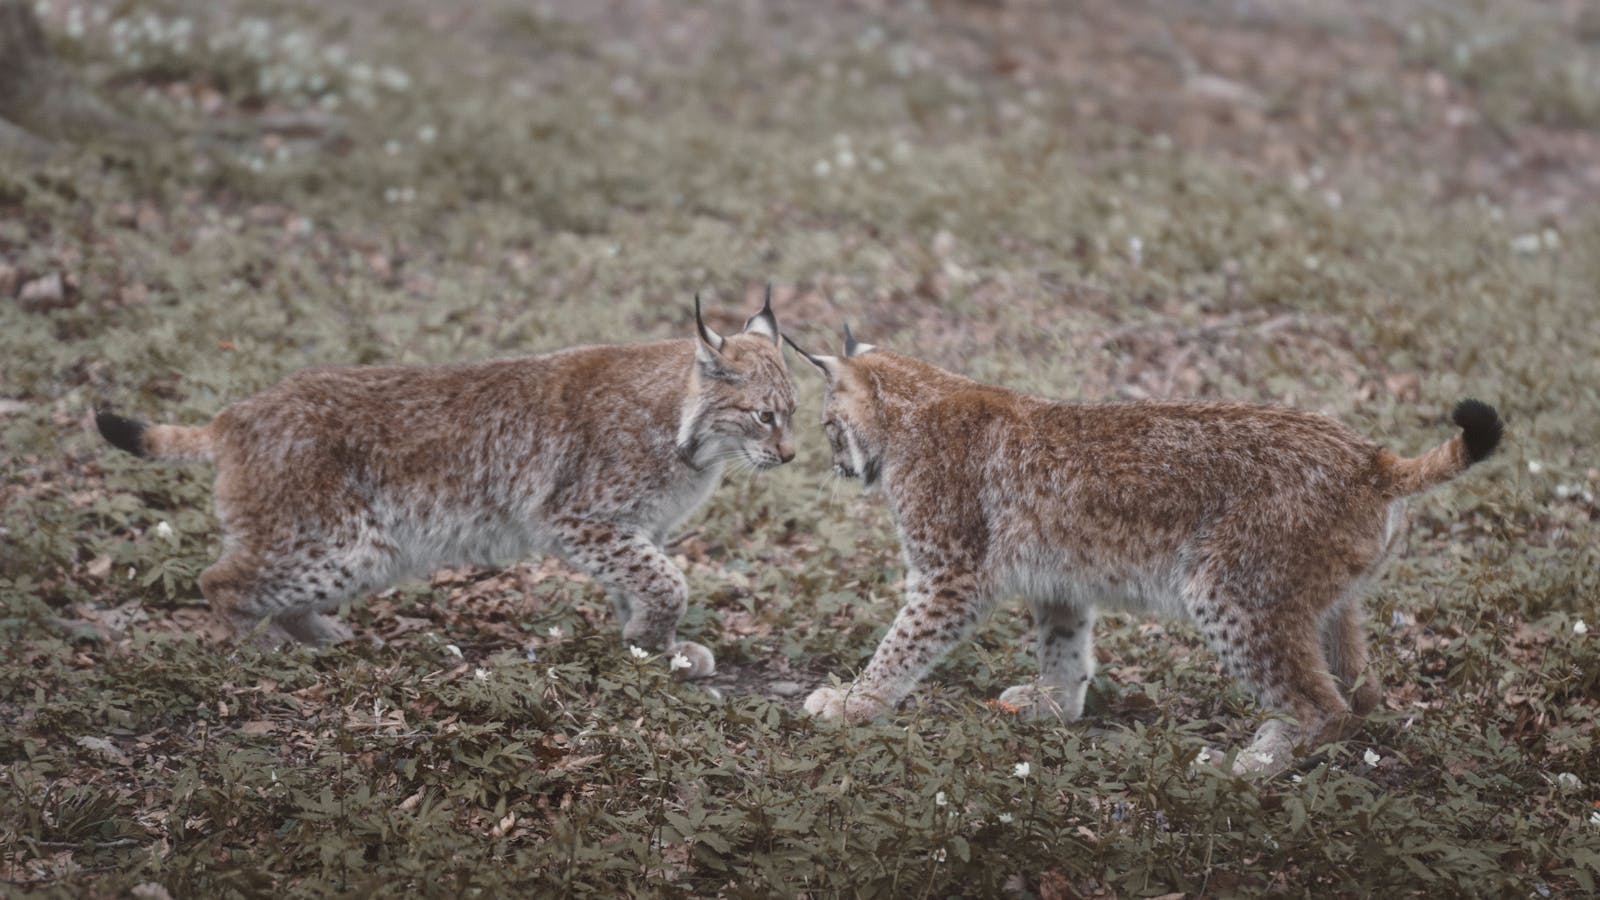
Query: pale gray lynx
339	482
1259	523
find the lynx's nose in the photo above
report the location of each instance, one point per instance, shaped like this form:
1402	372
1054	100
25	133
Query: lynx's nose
785	452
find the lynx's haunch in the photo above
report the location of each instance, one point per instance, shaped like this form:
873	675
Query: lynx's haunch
336	483
1259	523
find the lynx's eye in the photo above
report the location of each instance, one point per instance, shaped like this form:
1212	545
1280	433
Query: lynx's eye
765	416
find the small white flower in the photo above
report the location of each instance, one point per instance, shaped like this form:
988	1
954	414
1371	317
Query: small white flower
163	530
1579	627
1136	251
939	855
822	168
1262	759
1550	238
1594	818
1371	758
1004	818
1203	757
452	649
1021	770
679	661
1535	467
1525	243
940	799
427	134
1296	779
638	652
1568	781
481	674
555	633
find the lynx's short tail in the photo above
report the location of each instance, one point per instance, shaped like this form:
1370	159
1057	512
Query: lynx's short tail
154	441
1481	430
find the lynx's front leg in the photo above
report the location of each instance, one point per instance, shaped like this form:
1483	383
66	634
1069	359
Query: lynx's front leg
648	592
940	609
1066	663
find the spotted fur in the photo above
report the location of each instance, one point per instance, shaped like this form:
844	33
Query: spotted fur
1258	523
339	482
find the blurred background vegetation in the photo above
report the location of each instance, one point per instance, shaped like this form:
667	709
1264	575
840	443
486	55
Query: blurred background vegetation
1371	209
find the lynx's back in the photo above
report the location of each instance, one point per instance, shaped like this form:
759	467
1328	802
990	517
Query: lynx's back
457	452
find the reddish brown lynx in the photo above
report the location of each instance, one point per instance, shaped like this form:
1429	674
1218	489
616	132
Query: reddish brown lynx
340	482
1259	523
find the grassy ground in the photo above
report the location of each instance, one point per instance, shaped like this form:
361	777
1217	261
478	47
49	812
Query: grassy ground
1371	212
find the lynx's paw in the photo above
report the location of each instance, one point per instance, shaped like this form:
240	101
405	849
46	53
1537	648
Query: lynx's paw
852	706
318	630
1032	701
701	664
1270	752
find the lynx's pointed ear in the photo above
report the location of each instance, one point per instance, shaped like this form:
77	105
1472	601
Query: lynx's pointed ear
828	364
708	349
853	347
764	322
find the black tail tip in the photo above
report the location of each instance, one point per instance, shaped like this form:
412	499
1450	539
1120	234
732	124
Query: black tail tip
1481	428
124	434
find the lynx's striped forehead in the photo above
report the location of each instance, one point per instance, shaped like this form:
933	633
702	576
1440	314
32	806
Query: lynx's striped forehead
760	371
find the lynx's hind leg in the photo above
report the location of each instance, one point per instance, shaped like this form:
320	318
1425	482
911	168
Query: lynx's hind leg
294	591
1344	638
232	585
648	592
1344	641
1275	649
1065	635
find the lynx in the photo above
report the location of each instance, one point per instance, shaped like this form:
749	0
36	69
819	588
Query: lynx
338	482
1259	523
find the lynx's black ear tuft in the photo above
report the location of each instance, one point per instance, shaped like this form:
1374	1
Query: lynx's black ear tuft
708	338
826	363
853	347
764	322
